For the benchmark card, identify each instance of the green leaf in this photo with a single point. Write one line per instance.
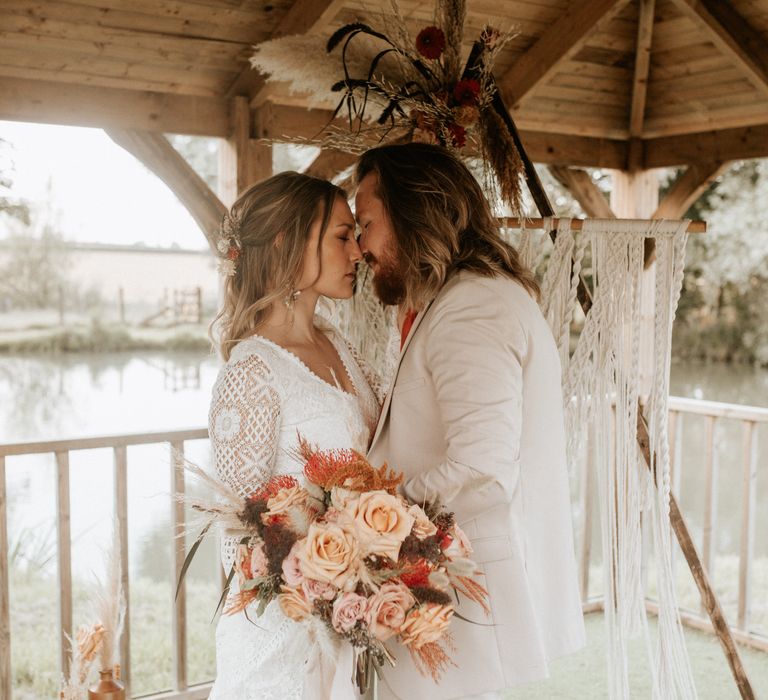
(190, 556)
(223, 594)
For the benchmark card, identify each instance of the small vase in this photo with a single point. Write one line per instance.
(107, 688)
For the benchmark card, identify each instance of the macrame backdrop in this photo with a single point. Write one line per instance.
(601, 394)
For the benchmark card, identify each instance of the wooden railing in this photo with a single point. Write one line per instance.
(713, 412)
(62, 449)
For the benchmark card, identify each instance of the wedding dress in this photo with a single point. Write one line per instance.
(263, 399)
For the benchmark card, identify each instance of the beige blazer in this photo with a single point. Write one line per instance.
(475, 417)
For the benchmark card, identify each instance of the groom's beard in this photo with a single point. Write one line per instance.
(388, 280)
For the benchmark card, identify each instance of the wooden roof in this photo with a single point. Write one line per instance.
(617, 83)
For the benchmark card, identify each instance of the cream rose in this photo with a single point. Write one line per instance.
(425, 624)
(422, 526)
(294, 603)
(291, 565)
(331, 554)
(348, 608)
(383, 520)
(341, 498)
(387, 608)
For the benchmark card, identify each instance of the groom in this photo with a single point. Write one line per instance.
(474, 415)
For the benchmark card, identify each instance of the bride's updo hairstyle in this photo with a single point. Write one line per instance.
(269, 226)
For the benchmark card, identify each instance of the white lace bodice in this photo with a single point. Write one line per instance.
(263, 399)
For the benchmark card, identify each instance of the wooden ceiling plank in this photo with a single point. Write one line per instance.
(579, 183)
(157, 19)
(559, 42)
(82, 105)
(688, 188)
(642, 67)
(706, 146)
(733, 35)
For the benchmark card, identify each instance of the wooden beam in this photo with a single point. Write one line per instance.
(642, 67)
(558, 42)
(80, 105)
(706, 146)
(154, 151)
(243, 160)
(329, 164)
(733, 35)
(584, 191)
(303, 17)
(688, 188)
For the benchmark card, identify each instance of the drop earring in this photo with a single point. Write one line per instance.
(290, 300)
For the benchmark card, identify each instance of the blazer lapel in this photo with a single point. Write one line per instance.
(388, 398)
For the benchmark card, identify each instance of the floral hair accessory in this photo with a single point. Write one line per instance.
(229, 245)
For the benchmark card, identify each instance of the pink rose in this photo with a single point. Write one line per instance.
(348, 608)
(291, 565)
(315, 590)
(387, 608)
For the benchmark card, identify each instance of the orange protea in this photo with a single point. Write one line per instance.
(347, 469)
(271, 488)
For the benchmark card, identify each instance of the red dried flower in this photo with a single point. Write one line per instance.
(445, 540)
(458, 135)
(466, 91)
(233, 253)
(430, 42)
(417, 576)
(271, 487)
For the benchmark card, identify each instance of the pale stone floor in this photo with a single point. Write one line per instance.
(583, 675)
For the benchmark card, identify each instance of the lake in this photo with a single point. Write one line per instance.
(83, 395)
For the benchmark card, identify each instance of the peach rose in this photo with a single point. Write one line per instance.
(422, 526)
(294, 603)
(291, 565)
(348, 608)
(383, 519)
(286, 498)
(425, 624)
(330, 555)
(387, 608)
(341, 497)
(244, 563)
(318, 590)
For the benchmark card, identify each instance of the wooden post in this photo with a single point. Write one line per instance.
(749, 504)
(179, 615)
(5, 607)
(243, 160)
(63, 526)
(120, 472)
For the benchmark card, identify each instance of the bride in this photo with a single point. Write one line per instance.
(285, 243)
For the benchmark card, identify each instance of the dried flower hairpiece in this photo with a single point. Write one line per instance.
(229, 245)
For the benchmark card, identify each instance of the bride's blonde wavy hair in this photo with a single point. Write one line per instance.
(441, 220)
(272, 220)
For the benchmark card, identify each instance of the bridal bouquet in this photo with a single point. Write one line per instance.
(345, 547)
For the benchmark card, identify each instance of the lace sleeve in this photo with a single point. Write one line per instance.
(243, 424)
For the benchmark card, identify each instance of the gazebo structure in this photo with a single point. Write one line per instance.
(626, 85)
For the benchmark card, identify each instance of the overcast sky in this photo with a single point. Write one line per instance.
(101, 192)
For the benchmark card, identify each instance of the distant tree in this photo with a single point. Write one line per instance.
(10, 205)
(201, 153)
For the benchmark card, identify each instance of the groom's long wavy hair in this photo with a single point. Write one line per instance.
(272, 220)
(441, 220)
